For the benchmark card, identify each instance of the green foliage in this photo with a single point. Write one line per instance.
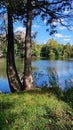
(3, 67)
(69, 96)
(51, 50)
(54, 84)
(24, 111)
(36, 49)
(53, 79)
(68, 93)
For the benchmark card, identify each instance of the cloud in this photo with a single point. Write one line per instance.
(55, 22)
(21, 29)
(63, 22)
(45, 21)
(59, 23)
(62, 27)
(71, 28)
(36, 26)
(58, 35)
(66, 39)
(67, 11)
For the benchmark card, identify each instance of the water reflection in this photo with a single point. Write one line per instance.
(4, 86)
(41, 70)
(64, 70)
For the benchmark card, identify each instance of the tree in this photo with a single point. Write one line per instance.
(14, 82)
(51, 11)
(13, 78)
(68, 49)
(19, 44)
(3, 45)
(36, 49)
(27, 79)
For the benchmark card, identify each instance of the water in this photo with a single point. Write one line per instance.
(41, 70)
(44, 68)
(4, 86)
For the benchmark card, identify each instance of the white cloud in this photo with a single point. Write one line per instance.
(21, 29)
(63, 37)
(63, 22)
(58, 35)
(58, 23)
(36, 26)
(67, 11)
(66, 39)
(45, 21)
(62, 27)
(71, 28)
(55, 22)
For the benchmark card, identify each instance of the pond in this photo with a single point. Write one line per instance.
(41, 71)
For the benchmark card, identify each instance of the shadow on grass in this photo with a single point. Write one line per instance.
(57, 121)
(36, 91)
(5, 106)
(68, 97)
(56, 91)
(6, 116)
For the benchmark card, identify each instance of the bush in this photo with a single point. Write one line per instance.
(54, 83)
(68, 93)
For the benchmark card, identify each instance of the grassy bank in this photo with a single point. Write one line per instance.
(38, 109)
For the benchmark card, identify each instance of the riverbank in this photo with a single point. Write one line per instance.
(38, 109)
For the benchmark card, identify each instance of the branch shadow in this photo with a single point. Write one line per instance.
(6, 116)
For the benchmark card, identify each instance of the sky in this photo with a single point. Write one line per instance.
(63, 35)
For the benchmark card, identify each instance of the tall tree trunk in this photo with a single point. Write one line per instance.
(14, 81)
(28, 79)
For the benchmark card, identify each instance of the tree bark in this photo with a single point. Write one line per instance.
(14, 81)
(28, 79)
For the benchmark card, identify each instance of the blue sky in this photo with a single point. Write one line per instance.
(63, 35)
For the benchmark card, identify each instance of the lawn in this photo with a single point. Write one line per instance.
(38, 109)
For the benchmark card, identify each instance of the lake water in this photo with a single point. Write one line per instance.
(41, 70)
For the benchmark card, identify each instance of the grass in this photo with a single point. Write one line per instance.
(38, 109)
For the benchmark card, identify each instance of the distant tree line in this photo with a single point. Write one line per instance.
(55, 50)
(51, 50)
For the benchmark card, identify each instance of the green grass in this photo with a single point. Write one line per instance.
(38, 109)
